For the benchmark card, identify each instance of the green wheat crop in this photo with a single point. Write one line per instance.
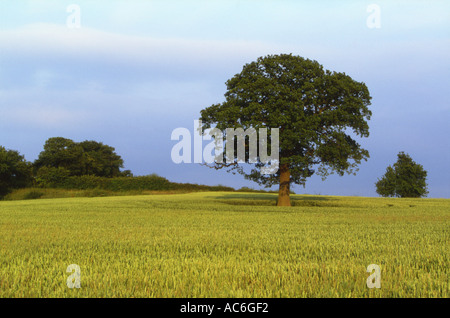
(222, 244)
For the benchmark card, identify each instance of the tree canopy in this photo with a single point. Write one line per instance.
(79, 158)
(101, 160)
(405, 179)
(15, 171)
(316, 111)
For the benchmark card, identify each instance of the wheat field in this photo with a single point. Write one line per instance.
(222, 244)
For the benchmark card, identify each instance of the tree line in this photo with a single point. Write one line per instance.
(66, 164)
(61, 158)
(89, 164)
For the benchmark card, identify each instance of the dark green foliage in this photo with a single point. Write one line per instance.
(100, 160)
(84, 158)
(198, 187)
(62, 153)
(33, 194)
(386, 185)
(151, 182)
(48, 177)
(15, 171)
(126, 173)
(406, 179)
(315, 110)
(247, 189)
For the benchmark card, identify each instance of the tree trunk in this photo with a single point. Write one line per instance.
(285, 182)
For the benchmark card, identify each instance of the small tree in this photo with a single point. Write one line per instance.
(406, 179)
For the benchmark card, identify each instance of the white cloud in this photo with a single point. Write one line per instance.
(175, 57)
(40, 116)
(43, 78)
(50, 39)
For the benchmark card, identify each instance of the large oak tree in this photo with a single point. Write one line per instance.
(318, 114)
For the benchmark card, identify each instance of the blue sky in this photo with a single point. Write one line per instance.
(136, 70)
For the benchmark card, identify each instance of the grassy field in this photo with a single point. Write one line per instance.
(222, 244)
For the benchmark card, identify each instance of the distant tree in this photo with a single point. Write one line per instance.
(406, 179)
(101, 160)
(314, 110)
(386, 185)
(15, 171)
(62, 153)
(83, 158)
